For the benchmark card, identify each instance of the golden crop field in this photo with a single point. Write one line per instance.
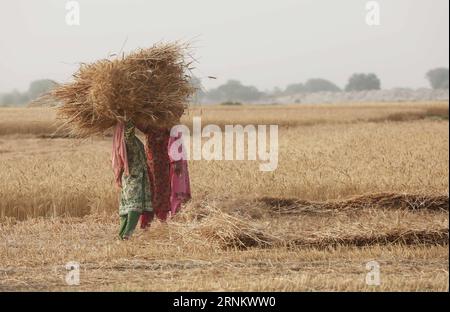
(355, 183)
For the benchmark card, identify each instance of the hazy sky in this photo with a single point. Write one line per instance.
(265, 43)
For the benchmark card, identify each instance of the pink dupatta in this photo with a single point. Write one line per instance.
(179, 183)
(119, 154)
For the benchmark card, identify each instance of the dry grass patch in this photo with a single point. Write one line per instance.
(34, 253)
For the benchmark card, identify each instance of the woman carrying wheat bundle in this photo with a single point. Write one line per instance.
(131, 177)
(148, 89)
(152, 181)
(168, 174)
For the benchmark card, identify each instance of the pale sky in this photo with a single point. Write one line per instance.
(265, 43)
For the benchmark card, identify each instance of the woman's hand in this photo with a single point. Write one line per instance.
(118, 181)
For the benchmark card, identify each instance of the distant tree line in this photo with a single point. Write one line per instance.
(233, 91)
(311, 86)
(36, 89)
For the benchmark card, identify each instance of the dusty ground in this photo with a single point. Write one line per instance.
(355, 183)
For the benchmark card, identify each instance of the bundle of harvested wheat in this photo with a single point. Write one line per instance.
(150, 86)
(205, 224)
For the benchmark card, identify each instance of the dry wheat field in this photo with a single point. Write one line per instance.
(354, 183)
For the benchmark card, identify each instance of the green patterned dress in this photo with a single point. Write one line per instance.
(135, 195)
